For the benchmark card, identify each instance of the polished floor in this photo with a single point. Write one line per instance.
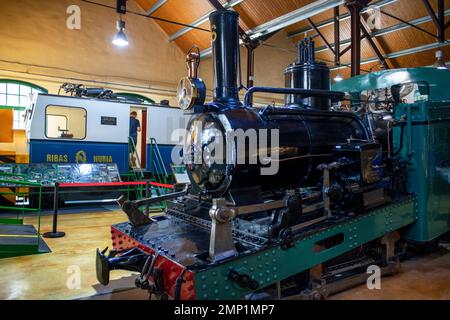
(68, 272)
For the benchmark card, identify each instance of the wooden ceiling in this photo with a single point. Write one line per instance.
(256, 12)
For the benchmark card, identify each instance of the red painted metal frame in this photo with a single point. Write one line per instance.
(171, 269)
(144, 139)
(337, 37)
(115, 184)
(355, 7)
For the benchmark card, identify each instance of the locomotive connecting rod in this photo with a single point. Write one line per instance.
(221, 245)
(136, 216)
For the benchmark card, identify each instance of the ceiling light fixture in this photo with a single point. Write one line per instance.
(440, 62)
(338, 78)
(120, 39)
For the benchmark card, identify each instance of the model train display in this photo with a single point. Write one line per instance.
(347, 184)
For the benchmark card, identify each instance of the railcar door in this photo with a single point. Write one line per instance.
(140, 153)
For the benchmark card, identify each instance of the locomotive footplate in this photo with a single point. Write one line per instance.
(172, 252)
(171, 245)
(175, 245)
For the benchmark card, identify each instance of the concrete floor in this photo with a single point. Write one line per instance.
(51, 275)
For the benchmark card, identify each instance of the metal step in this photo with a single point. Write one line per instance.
(18, 240)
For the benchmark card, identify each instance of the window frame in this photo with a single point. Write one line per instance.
(62, 106)
(24, 83)
(21, 125)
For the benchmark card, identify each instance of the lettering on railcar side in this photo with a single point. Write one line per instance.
(57, 158)
(103, 159)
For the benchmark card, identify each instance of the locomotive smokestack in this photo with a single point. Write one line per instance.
(225, 52)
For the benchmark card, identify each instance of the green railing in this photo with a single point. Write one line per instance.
(157, 172)
(135, 173)
(17, 184)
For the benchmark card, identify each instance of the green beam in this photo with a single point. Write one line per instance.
(13, 108)
(7, 174)
(21, 183)
(275, 264)
(19, 209)
(11, 221)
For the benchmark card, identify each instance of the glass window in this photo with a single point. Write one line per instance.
(13, 88)
(24, 100)
(19, 119)
(13, 100)
(65, 122)
(16, 94)
(25, 91)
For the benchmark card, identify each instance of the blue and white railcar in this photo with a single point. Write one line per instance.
(64, 129)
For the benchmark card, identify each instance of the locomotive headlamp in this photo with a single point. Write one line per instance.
(186, 93)
(191, 90)
(205, 153)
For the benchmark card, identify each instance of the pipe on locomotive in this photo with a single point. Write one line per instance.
(303, 93)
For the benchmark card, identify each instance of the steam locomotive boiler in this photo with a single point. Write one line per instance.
(274, 192)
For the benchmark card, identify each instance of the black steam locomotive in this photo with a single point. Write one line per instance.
(235, 230)
(309, 133)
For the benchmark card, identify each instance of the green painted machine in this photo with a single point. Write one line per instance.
(363, 172)
(424, 118)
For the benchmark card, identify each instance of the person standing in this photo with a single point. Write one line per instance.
(135, 127)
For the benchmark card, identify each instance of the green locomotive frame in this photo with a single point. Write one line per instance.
(275, 263)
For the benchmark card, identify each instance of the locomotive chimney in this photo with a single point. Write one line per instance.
(225, 53)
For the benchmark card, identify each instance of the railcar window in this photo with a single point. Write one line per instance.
(65, 122)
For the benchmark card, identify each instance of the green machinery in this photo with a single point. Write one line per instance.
(425, 142)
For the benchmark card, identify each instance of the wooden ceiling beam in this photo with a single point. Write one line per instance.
(397, 54)
(201, 20)
(342, 17)
(155, 7)
(288, 19)
(385, 31)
